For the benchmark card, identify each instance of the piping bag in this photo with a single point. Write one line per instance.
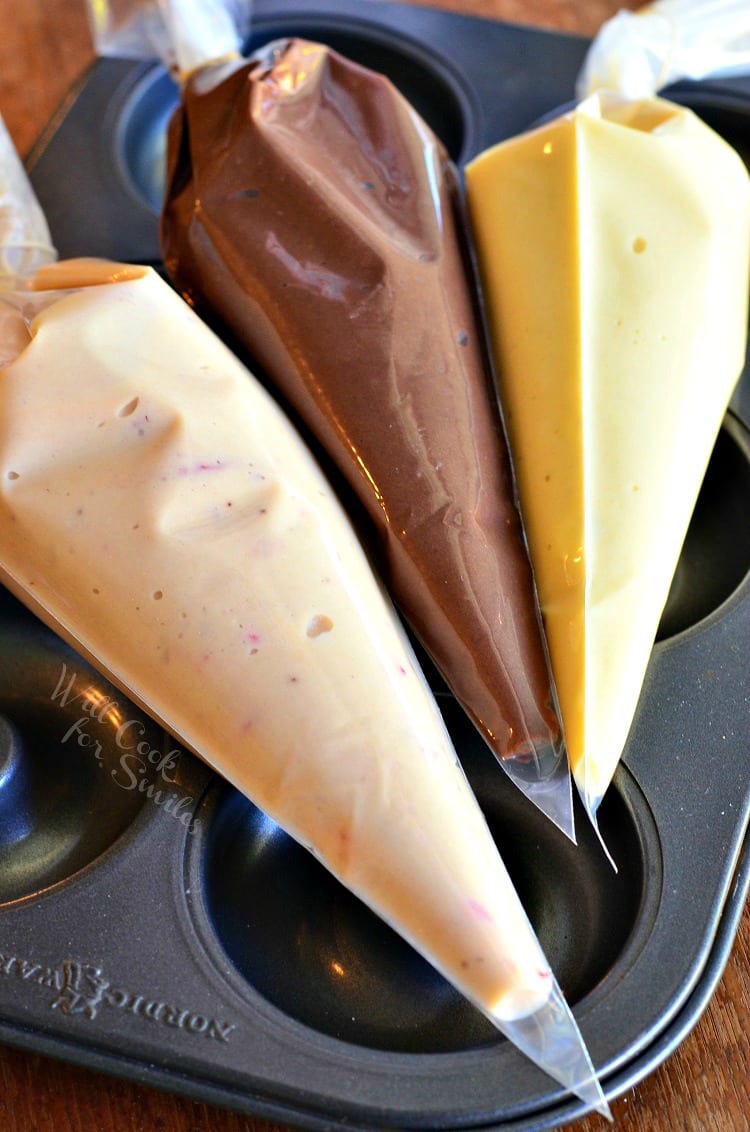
(613, 248)
(159, 511)
(313, 214)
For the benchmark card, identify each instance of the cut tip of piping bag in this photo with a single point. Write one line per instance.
(591, 801)
(551, 1039)
(544, 778)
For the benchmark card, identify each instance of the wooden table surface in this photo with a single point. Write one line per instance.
(44, 46)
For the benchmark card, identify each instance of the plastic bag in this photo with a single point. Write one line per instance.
(638, 53)
(182, 33)
(661, 206)
(622, 202)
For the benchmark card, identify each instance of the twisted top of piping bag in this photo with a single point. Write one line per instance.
(636, 54)
(184, 34)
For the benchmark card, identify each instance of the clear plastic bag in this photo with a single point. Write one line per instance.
(182, 33)
(638, 53)
(25, 242)
(624, 201)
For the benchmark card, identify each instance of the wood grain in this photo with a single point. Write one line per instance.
(704, 1087)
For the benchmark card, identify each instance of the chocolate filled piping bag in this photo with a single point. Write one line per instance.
(315, 215)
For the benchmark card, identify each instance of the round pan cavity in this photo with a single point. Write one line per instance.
(69, 774)
(316, 953)
(716, 553)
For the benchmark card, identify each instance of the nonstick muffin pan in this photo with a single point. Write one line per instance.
(154, 924)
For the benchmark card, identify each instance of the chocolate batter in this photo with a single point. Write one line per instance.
(313, 211)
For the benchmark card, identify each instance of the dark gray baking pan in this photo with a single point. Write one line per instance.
(155, 925)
